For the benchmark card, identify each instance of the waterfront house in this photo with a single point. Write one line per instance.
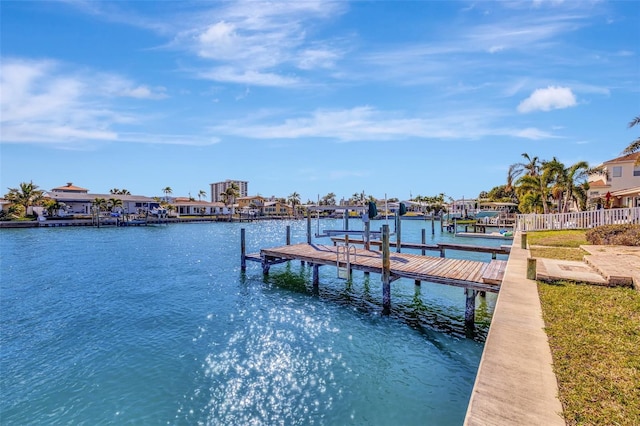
(262, 206)
(619, 185)
(75, 200)
(190, 207)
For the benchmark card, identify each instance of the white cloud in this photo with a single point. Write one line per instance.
(365, 123)
(255, 43)
(43, 101)
(547, 99)
(252, 77)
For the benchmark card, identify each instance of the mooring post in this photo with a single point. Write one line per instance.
(308, 227)
(386, 273)
(531, 268)
(316, 278)
(523, 241)
(367, 235)
(470, 308)
(433, 225)
(424, 240)
(346, 219)
(288, 235)
(398, 233)
(243, 252)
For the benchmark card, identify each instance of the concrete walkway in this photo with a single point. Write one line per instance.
(602, 265)
(515, 384)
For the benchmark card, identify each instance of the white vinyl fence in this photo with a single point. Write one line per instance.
(576, 220)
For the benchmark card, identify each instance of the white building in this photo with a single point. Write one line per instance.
(220, 187)
(620, 183)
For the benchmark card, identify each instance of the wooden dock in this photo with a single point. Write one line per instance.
(475, 275)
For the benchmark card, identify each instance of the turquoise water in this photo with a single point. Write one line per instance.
(158, 325)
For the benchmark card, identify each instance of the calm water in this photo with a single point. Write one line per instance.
(157, 325)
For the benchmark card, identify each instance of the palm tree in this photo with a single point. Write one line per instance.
(573, 179)
(114, 203)
(51, 205)
(100, 204)
(294, 200)
(232, 192)
(329, 199)
(531, 167)
(27, 194)
(201, 193)
(635, 145)
(167, 191)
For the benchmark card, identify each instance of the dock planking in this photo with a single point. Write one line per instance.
(475, 275)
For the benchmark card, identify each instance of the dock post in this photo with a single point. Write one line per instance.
(243, 251)
(316, 278)
(531, 268)
(386, 273)
(308, 227)
(470, 309)
(288, 235)
(433, 226)
(424, 239)
(346, 219)
(398, 234)
(523, 241)
(367, 235)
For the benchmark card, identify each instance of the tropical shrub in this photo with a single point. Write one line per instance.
(624, 235)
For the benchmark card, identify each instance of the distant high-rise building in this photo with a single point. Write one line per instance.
(219, 187)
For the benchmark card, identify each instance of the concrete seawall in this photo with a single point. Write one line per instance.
(515, 384)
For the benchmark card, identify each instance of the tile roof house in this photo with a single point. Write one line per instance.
(619, 186)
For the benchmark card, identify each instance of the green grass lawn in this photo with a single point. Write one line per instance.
(563, 245)
(594, 334)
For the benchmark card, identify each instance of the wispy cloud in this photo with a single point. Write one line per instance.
(44, 101)
(365, 123)
(547, 99)
(260, 43)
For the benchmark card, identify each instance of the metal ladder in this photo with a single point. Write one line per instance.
(343, 259)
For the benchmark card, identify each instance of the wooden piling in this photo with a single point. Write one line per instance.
(424, 239)
(308, 227)
(367, 234)
(433, 225)
(470, 308)
(316, 278)
(386, 272)
(288, 235)
(398, 233)
(531, 268)
(243, 251)
(523, 241)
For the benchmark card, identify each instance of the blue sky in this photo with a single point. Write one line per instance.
(387, 97)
